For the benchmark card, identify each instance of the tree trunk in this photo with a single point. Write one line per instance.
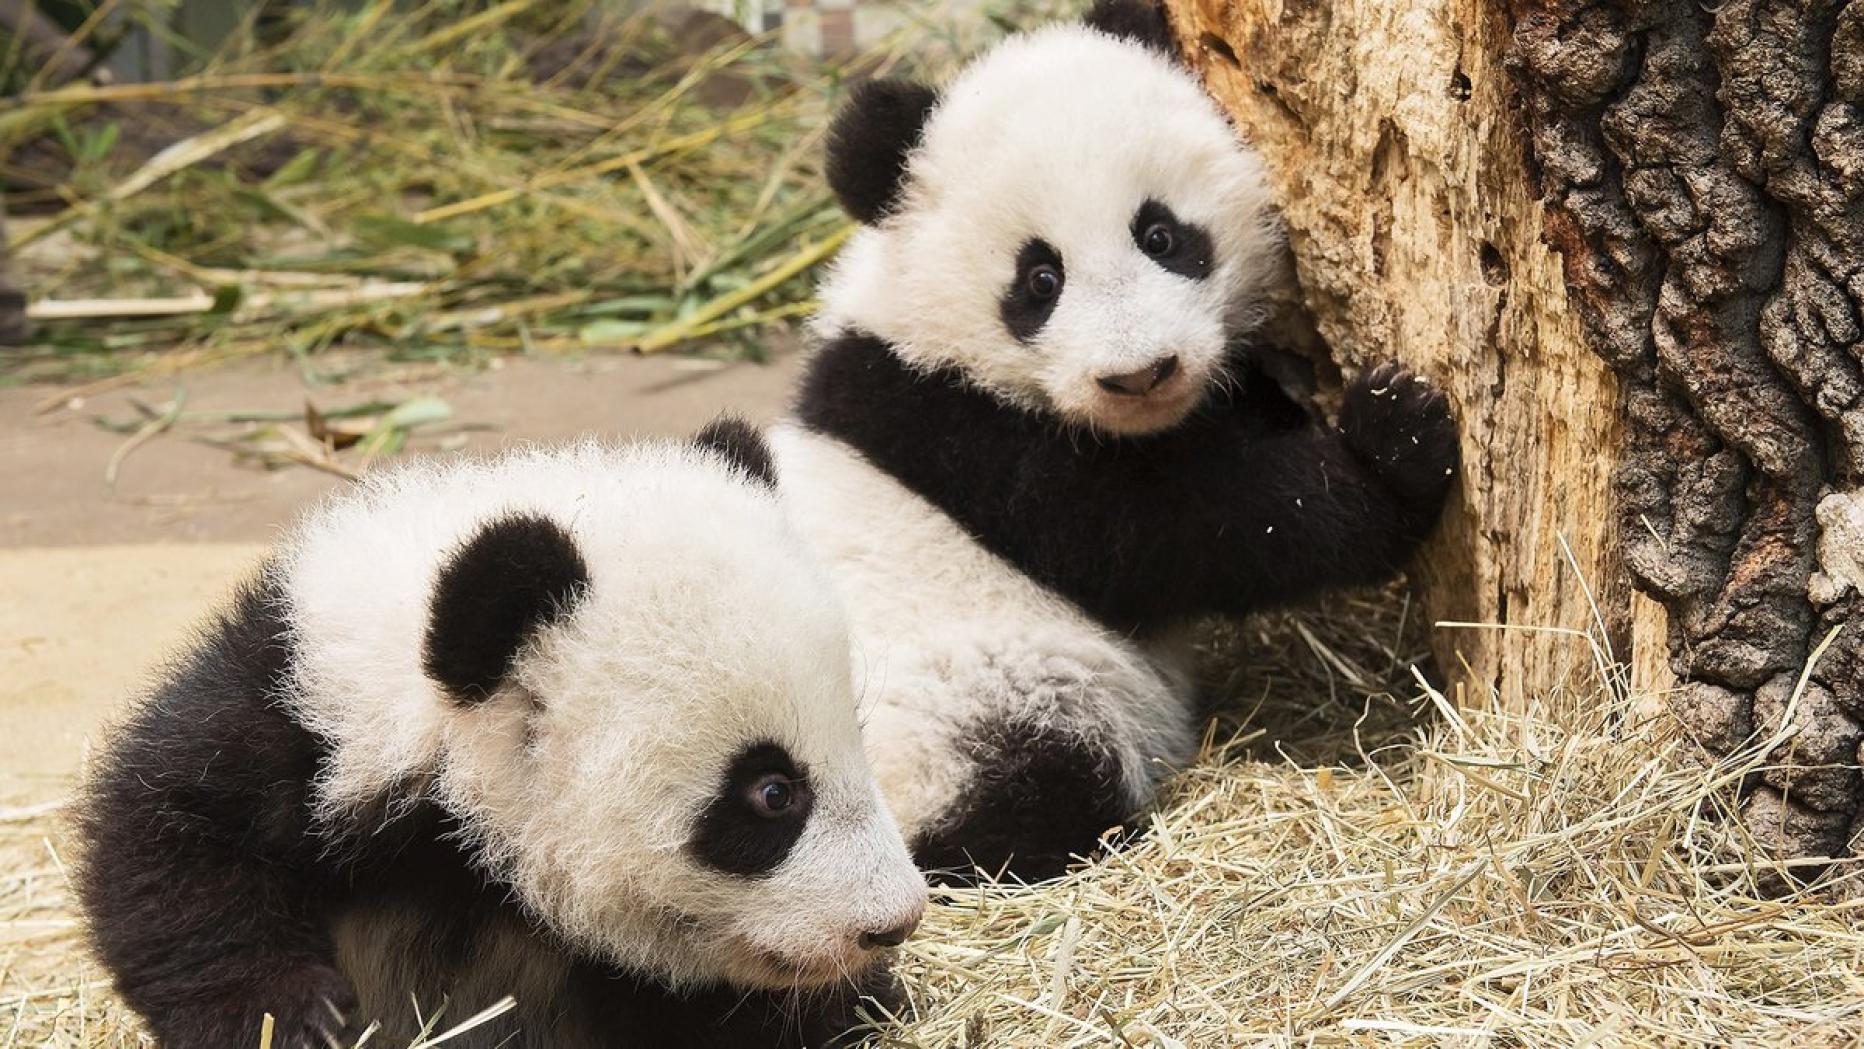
(1675, 390)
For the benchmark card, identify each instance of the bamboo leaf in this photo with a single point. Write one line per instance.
(390, 230)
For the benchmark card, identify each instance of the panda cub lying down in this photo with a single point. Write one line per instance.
(573, 725)
(1033, 444)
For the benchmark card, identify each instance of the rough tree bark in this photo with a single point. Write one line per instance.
(1677, 389)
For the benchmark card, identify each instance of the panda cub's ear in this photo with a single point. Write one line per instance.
(741, 445)
(1141, 21)
(869, 141)
(516, 575)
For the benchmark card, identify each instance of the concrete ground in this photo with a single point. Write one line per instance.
(97, 584)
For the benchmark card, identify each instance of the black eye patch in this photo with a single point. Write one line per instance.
(1033, 292)
(1178, 247)
(741, 832)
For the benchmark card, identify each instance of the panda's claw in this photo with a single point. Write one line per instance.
(317, 1009)
(1401, 427)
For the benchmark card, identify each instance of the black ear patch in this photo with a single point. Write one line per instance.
(868, 143)
(740, 443)
(519, 573)
(1141, 21)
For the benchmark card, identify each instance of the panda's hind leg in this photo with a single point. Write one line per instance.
(1028, 751)
(202, 879)
(1039, 799)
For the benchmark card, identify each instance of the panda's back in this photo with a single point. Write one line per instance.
(899, 560)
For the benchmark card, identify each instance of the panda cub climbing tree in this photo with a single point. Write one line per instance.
(1033, 440)
(573, 725)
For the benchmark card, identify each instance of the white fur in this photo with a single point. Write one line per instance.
(705, 628)
(947, 636)
(1062, 134)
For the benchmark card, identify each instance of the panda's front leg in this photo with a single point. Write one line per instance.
(206, 894)
(207, 947)
(1346, 506)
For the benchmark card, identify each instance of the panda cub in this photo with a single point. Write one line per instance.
(573, 725)
(1032, 444)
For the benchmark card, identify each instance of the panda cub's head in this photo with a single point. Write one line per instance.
(619, 674)
(1072, 222)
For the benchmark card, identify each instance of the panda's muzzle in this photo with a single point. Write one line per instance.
(875, 939)
(1141, 381)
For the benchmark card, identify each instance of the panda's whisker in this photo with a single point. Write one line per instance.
(743, 999)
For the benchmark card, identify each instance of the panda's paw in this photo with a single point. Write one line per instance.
(1401, 427)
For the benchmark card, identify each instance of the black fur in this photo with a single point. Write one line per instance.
(1142, 21)
(517, 575)
(203, 879)
(1023, 311)
(1229, 512)
(1191, 254)
(869, 141)
(1038, 802)
(741, 444)
(732, 836)
(212, 896)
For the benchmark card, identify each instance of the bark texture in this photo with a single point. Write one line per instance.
(1704, 170)
(1677, 390)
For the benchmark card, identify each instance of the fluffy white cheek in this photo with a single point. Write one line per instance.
(949, 313)
(576, 818)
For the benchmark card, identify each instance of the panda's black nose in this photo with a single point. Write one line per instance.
(874, 939)
(1142, 381)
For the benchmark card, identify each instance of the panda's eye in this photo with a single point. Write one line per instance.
(1179, 247)
(1043, 282)
(1033, 290)
(1159, 240)
(774, 794)
(756, 815)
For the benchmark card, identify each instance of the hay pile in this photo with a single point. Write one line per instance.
(1561, 875)
(1342, 867)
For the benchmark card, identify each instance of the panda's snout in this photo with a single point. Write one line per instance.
(1140, 381)
(875, 939)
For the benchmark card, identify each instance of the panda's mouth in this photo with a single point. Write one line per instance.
(1161, 409)
(784, 971)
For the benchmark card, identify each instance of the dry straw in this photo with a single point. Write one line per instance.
(1558, 874)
